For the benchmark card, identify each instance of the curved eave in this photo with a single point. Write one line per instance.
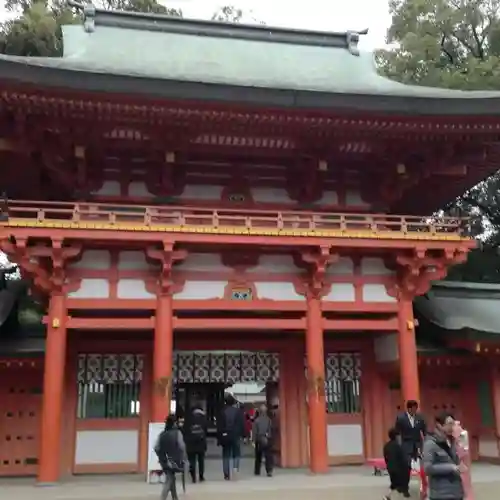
(52, 74)
(459, 307)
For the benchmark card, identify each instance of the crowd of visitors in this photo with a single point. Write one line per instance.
(184, 441)
(442, 456)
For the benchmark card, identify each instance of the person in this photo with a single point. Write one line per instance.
(195, 435)
(262, 439)
(397, 464)
(171, 451)
(461, 436)
(441, 461)
(230, 431)
(411, 427)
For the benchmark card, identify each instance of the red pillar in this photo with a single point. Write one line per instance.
(163, 348)
(408, 358)
(318, 446)
(53, 391)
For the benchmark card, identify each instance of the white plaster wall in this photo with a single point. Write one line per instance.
(202, 290)
(277, 291)
(133, 261)
(353, 199)
(376, 293)
(344, 265)
(271, 195)
(107, 447)
(93, 259)
(374, 266)
(344, 440)
(139, 189)
(201, 192)
(341, 292)
(202, 262)
(133, 289)
(488, 447)
(109, 188)
(328, 198)
(386, 348)
(275, 264)
(91, 289)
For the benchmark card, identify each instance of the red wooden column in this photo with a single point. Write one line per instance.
(163, 351)
(495, 397)
(163, 343)
(316, 402)
(53, 391)
(408, 358)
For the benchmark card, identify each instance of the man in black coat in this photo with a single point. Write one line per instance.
(195, 436)
(411, 427)
(230, 432)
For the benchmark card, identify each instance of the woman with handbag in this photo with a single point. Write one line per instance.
(171, 452)
(262, 440)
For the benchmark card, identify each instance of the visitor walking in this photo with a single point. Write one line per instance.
(230, 432)
(262, 436)
(441, 462)
(195, 435)
(397, 465)
(171, 452)
(411, 427)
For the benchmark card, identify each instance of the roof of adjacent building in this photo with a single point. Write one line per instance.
(175, 58)
(457, 306)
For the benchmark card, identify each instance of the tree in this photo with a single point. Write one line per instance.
(233, 14)
(453, 44)
(37, 29)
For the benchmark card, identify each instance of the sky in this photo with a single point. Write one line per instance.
(325, 15)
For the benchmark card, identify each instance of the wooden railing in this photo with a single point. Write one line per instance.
(237, 221)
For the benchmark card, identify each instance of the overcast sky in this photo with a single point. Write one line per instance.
(328, 15)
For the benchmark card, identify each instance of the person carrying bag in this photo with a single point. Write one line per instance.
(262, 439)
(171, 452)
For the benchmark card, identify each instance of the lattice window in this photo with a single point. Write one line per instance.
(342, 385)
(109, 385)
(225, 367)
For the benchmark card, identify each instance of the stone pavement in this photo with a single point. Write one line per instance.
(343, 483)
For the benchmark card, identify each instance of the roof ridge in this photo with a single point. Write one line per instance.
(94, 17)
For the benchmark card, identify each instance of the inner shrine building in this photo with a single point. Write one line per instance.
(200, 204)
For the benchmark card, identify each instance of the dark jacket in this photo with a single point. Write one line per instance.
(195, 431)
(440, 462)
(230, 425)
(170, 449)
(262, 430)
(395, 459)
(411, 436)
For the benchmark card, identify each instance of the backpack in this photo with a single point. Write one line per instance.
(197, 433)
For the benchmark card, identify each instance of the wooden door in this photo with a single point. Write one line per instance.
(20, 407)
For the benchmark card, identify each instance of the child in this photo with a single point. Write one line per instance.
(397, 464)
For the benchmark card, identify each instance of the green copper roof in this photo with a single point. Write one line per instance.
(119, 50)
(462, 306)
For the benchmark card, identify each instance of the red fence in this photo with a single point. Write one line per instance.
(183, 217)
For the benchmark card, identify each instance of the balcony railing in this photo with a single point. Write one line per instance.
(87, 215)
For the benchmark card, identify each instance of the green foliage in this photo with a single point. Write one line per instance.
(228, 14)
(453, 44)
(37, 30)
(445, 43)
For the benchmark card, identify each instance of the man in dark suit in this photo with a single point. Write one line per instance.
(411, 427)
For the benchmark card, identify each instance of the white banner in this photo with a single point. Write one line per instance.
(153, 465)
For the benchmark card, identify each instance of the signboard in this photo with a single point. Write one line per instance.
(153, 465)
